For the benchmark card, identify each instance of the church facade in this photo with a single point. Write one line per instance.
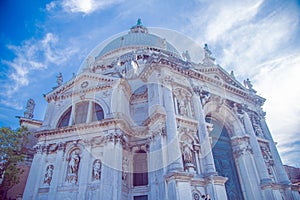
(140, 121)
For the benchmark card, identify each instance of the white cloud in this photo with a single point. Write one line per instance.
(86, 6)
(258, 45)
(30, 57)
(278, 81)
(229, 14)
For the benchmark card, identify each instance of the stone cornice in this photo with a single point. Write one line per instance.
(186, 122)
(34, 122)
(179, 177)
(198, 75)
(81, 127)
(157, 116)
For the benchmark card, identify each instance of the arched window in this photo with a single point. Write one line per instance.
(64, 120)
(81, 110)
(140, 168)
(97, 112)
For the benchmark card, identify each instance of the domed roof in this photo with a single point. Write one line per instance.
(138, 36)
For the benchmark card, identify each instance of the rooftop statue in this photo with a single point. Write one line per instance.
(29, 109)
(59, 80)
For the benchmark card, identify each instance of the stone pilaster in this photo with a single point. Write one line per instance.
(36, 171)
(206, 149)
(57, 171)
(242, 152)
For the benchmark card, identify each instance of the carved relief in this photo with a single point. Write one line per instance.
(268, 158)
(48, 174)
(73, 166)
(241, 146)
(96, 173)
(125, 167)
(255, 120)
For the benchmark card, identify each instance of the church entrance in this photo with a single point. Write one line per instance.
(224, 160)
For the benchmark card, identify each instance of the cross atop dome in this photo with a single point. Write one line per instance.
(138, 28)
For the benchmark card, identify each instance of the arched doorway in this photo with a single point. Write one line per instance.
(224, 160)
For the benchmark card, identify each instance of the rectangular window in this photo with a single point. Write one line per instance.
(81, 111)
(144, 197)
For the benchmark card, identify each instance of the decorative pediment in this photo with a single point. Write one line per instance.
(83, 83)
(220, 74)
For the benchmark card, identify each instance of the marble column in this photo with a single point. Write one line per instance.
(206, 149)
(157, 167)
(243, 155)
(174, 154)
(259, 160)
(83, 175)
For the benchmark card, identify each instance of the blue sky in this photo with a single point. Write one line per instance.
(258, 39)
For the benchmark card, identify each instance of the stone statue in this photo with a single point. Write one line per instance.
(186, 56)
(187, 151)
(182, 107)
(248, 84)
(97, 170)
(73, 167)
(29, 109)
(208, 59)
(48, 174)
(59, 79)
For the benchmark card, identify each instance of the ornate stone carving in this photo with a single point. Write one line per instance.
(73, 166)
(125, 167)
(29, 109)
(241, 146)
(48, 174)
(268, 158)
(165, 80)
(204, 95)
(96, 174)
(255, 120)
(237, 109)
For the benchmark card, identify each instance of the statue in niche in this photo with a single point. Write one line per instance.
(48, 174)
(59, 79)
(187, 151)
(239, 112)
(29, 109)
(182, 107)
(97, 170)
(73, 167)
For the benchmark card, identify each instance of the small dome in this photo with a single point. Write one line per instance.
(138, 36)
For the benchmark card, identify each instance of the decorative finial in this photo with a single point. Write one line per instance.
(29, 109)
(208, 59)
(138, 28)
(139, 22)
